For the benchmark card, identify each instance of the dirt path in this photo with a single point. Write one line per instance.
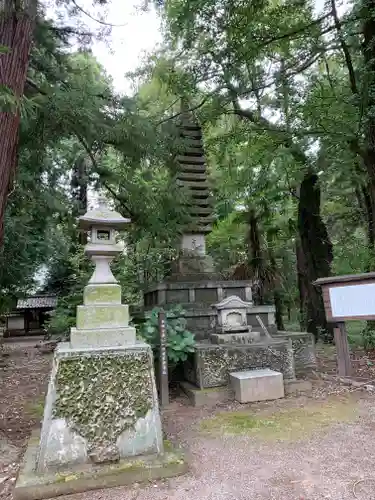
(24, 374)
(321, 447)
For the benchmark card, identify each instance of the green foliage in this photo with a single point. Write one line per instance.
(368, 336)
(180, 342)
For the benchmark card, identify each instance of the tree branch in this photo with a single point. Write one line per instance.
(94, 19)
(294, 32)
(345, 49)
(190, 110)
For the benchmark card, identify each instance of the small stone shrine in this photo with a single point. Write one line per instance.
(101, 407)
(232, 324)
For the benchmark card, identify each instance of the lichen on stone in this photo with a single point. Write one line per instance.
(101, 396)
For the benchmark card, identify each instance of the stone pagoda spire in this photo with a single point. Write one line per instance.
(192, 178)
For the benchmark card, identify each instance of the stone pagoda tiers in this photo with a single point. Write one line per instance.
(192, 179)
(193, 282)
(101, 407)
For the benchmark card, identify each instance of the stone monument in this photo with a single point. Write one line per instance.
(102, 406)
(191, 176)
(206, 297)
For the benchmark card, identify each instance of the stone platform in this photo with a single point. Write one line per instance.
(217, 395)
(32, 485)
(211, 364)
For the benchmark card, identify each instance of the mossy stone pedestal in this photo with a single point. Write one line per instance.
(101, 407)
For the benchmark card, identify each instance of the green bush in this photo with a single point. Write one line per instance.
(180, 342)
(368, 335)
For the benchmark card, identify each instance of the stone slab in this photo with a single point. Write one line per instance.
(105, 337)
(257, 385)
(31, 485)
(207, 397)
(236, 338)
(102, 294)
(102, 316)
(101, 405)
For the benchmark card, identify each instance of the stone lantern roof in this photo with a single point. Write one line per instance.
(102, 216)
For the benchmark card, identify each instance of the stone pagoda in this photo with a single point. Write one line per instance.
(101, 408)
(192, 179)
(248, 338)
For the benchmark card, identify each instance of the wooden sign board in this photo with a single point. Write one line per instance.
(350, 297)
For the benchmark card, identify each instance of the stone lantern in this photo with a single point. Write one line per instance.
(102, 320)
(101, 405)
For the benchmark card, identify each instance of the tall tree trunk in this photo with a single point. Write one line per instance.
(79, 187)
(16, 29)
(279, 306)
(368, 48)
(314, 256)
(255, 257)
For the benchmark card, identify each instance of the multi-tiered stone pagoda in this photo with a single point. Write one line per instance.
(192, 178)
(253, 341)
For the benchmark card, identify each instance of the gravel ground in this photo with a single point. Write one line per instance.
(329, 464)
(329, 461)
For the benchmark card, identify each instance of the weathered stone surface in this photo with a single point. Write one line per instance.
(102, 294)
(210, 365)
(32, 485)
(207, 397)
(103, 337)
(257, 385)
(303, 344)
(236, 338)
(98, 399)
(104, 454)
(97, 316)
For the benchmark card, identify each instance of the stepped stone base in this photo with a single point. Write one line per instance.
(104, 337)
(216, 395)
(101, 406)
(102, 316)
(77, 479)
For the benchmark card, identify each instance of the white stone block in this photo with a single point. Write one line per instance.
(257, 385)
(103, 337)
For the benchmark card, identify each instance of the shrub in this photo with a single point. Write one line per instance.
(180, 342)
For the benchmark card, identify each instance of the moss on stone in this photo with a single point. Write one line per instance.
(36, 409)
(64, 478)
(102, 396)
(168, 446)
(286, 424)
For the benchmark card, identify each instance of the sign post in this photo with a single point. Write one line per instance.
(350, 297)
(163, 362)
